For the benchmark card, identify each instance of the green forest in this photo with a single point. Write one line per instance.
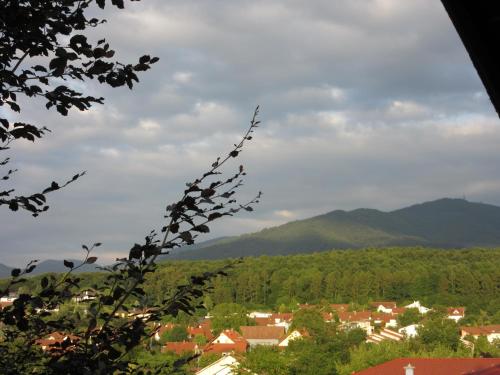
(436, 277)
(468, 278)
(460, 277)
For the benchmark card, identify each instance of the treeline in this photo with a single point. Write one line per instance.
(468, 278)
(462, 277)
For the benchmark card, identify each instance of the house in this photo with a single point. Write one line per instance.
(384, 306)
(417, 305)
(228, 341)
(278, 320)
(202, 330)
(282, 319)
(85, 296)
(160, 330)
(435, 366)
(492, 332)
(263, 321)
(57, 341)
(409, 331)
(258, 314)
(356, 319)
(456, 313)
(141, 313)
(10, 298)
(294, 335)
(384, 319)
(262, 335)
(180, 348)
(225, 365)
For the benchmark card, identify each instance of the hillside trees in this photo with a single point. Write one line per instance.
(283, 272)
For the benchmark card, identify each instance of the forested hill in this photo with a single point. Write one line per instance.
(50, 265)
(441, 223)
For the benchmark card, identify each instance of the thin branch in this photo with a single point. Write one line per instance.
(215, 166)
(19, 62)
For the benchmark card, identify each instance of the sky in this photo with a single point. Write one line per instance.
(364, 103)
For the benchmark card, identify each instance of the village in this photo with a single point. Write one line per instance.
(381, 321)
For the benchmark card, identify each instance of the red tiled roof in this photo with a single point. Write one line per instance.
(239, 347)
(386, 318)
(436, 366)
(207, 324)
(263, 333)
(204, 331)
(327, 316)
(179, 347)
(52, 341)
(456, 311)
(354, 316)
(233, 335)
(240, 344)
(263, 321)
(340, 306)
(481, 330)
(4, 304)
(286, 317)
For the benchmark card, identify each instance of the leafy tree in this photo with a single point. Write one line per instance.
(410, 316)
(305, 355)
(200, 340)
(310, 320)
(265, 360)
(176, 334)
(439, 331)
(229, 316)
(208, 303)
(44, 53)
(207, 359)
(149, 361)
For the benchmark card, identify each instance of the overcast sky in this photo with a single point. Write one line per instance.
(364, 103)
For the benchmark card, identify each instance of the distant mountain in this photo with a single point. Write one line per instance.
(4, 271)
(49, 266)
(441, 223)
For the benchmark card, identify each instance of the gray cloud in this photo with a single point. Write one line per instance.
(364, 104)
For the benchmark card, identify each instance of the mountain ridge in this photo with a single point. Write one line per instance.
(446, 222)
(49, 265)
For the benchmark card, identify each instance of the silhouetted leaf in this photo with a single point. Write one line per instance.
(214, 215)
(202, 228)
(15, 272)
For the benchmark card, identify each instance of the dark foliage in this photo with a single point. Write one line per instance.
(43, 43)
(101, 345)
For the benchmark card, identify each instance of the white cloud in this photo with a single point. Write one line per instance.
(182, 77)
(110, 152)
(285, 214)
(362, 106)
